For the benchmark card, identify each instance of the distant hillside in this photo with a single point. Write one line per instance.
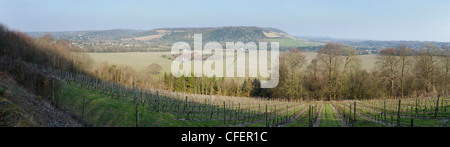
(374, 45)
(161, 39)
(174, 34)
(220, 34)
(87, 35)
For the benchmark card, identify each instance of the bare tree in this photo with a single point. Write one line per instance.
(445, 52)
(337, 61)
(425, 67)
(313, 82)
(388, 63)
(405, 62)
(292, 63)
(350, 67)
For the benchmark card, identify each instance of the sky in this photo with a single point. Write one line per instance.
(423, 20)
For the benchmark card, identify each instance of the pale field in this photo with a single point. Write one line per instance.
(151, 37)
(137, 60)
(140, 60)
(367, 61)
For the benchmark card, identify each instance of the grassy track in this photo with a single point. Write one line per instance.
(329, 118)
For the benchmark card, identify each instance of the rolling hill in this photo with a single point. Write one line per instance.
(161, 39)
(88, 35)
(137, 40)
(220, 34)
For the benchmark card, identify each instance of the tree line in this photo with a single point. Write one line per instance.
(336, 74)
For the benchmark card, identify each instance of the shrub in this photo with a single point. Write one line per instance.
(2, 91)
(38, 98)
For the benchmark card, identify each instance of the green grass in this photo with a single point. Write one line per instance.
(329, 118)
(302, 121)
(418, 122)
(362, 122)
(101, 110)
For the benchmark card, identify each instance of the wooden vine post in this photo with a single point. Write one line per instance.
(309, 116)
(224, 118)
(354, 115)
(266, 117)
(84, 100)
(384, 111)
(350, 116)
(137, 115)
(436, 108)
(398, 112)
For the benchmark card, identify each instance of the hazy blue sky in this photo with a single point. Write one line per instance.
(426, 20)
